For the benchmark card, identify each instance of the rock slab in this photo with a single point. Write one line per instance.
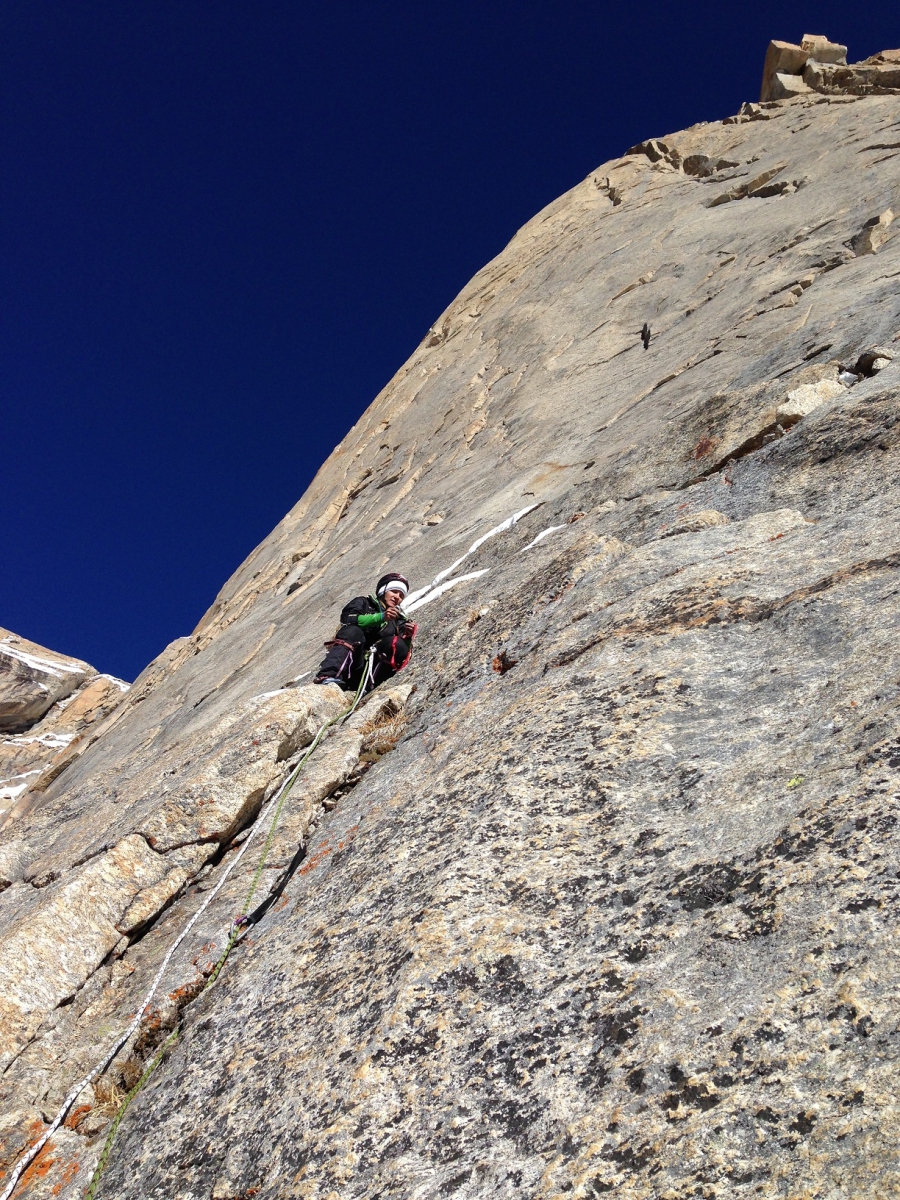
(50, 708)
(607, 904)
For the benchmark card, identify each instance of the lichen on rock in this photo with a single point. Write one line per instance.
(600, 896)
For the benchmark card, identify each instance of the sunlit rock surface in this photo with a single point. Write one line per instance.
(32, 678)
(50, 706)
(617, 911)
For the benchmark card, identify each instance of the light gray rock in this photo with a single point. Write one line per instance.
(618, 911)
(873, 234)
(874, 359)
(883, 56)
(783, 87)
(820, 49)
(857, 79)
(707, 518)
(85, 897)
(29, 762)
(783, 59)
(32, 679)
(820, 65)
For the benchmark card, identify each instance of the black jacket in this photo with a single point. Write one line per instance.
(369, 606)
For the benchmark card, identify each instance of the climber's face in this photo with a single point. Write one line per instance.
(393, 597)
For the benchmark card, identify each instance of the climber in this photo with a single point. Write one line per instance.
(377, 622)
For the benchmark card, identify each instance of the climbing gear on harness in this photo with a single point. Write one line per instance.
(399, 650)
(274, 806)
(364, 624)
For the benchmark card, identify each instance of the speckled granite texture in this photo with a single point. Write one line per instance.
(617, 913)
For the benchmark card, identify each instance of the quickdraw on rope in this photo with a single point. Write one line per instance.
(275, 806)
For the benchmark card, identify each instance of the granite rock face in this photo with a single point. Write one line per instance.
(50, 707)
(818, 65)
(32, 679)
(603, 897)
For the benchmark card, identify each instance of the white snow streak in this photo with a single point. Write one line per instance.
(12, 790)
(444, 587)
(53, 741)
(413, 598)
(278, 691)
(39, 664)
(120, 683)
(540, 537)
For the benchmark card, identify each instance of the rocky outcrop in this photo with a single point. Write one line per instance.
(86, 957)
(32, 679)
(49, 708)
(607, 902)
(818, 65)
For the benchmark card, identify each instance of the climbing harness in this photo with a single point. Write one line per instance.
(416, 599)
(274, 806)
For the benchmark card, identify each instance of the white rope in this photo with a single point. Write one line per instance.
(101, 1066)
(29, 1157)
(370, 671)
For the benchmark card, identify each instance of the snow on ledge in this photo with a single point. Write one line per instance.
(413, 599)
(53, 741)
(11, 790)
(120, 683)
(540, 537)
(57, 668)
(444, 587)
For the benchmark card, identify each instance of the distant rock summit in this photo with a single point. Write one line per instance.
(818, 65)
(599, 895)
(50, 707)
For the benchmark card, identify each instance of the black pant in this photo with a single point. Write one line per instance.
(346, 656)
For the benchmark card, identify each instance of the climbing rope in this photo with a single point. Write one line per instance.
(275, 806)
(430, 592)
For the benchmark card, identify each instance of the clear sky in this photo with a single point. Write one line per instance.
(226, 223)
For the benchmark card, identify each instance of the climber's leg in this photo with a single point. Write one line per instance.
(345, 657)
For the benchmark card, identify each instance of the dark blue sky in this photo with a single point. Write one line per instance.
(225, 225)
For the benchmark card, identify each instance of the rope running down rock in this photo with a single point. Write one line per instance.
(275, 806)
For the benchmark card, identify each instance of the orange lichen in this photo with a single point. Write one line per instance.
(68, 1175)
(315, 859)
(34, 1131)
(187, 992)
(76, 1116)
(323, 852)
(40, 1168)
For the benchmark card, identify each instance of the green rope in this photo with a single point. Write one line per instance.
(234, 936)
(123, 1108)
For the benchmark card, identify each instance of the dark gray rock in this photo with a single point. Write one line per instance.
(618, 911)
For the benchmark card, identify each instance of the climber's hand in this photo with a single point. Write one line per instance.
(392, 613)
